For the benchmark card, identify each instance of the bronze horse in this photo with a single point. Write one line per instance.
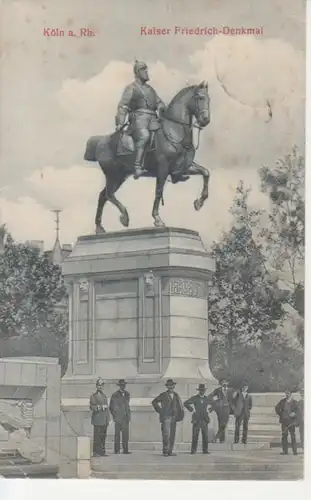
(173, 148)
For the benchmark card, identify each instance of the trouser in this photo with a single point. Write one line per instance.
(301, 433)
(223, 419)
(196, 428)
(285, 430)
(99, 439)
(238, 422)
(121, 428)
(168, 429)
(140, 129)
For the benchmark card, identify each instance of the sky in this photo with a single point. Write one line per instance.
(56, 92)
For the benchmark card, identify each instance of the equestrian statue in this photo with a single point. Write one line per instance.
(151, 140)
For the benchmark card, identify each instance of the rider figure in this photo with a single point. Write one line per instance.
(142, 105)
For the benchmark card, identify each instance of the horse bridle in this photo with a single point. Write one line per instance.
(184, 124)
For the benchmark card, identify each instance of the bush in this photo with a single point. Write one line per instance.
(268, 368)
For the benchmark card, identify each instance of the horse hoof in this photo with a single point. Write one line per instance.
(197, 204)
(99, 230)
(124, 219)
(159, 223)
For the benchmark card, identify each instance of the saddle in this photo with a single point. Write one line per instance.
(123, 142)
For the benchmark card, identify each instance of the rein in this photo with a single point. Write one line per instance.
(184, 124)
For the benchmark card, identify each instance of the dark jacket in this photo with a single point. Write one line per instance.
(241, 405)
(200, 405)
(220, 402)
(169, 407)
(99, 409)
(288, 414)
(120, 407)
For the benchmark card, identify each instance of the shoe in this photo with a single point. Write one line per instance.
(117, 453)
(206, 453)
(235, 442)
(165, 454)
(127, 453)
(171, 454)
(96, 455)
(193, 452)
(295, 453)
(284, 453)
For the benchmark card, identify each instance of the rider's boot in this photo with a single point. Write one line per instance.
(138, 165)
(139, 171)
(179, 177)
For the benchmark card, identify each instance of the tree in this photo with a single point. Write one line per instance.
(245, 303)
(285, 234)
(31, 293)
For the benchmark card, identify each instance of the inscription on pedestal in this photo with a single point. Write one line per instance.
(184, 287)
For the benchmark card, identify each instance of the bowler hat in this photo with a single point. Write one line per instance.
(121, 382)
(99, 381)
(201, 387)
(170, 382)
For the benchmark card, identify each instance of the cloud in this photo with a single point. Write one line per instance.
(253, 70)
(52, 120)
(75, 191)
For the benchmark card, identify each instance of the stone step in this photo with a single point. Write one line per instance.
(278, 444)
(157, 446)
(40, 471)
(207, 476)
(221, 465)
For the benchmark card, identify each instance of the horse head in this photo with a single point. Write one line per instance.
(200, 104)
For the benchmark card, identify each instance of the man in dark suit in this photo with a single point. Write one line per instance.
(288, 411)
(242, 404)
(301, 417)
(100, 419)
(121, 413)
(169, 406)
(221, 399)
(200, 418)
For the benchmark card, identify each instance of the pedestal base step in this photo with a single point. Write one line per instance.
(257, 465)
(278, 444)
(185, 447)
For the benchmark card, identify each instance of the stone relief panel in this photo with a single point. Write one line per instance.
(16, 420)
(185, 287)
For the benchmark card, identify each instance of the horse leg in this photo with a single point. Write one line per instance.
(161, 179)
(113, 184)
(102, 199)
(196, 169)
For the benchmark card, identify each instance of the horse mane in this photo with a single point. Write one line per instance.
(181, 94)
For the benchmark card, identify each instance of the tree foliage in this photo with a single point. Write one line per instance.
(31, 291)
(245, 302)
(285, 233)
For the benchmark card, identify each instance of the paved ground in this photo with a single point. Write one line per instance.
(219, 465)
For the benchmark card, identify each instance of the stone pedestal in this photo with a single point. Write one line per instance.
(138, 305)
(138, 310)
